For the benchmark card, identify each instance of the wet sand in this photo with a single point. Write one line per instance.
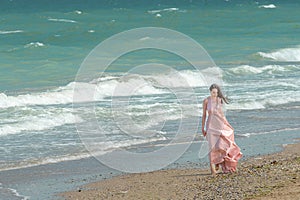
(274, 176)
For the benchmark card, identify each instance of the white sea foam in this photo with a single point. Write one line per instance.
(254, 100)
(267, 132)
(144, 38)
(245, 69)
(270, 69)
(171, 9)
(109, 146)
(290, 85)
(163, 10)
(63, 96)
(263, 93)
(34, 44)
(141, 121)
(49, 160)
(62, 20)
(249, 105)
(78, 12)
(11, 32)
(146, 84)
(102, 87)
(154, 11)
(101, 148)
(89, 91)
(270, 6)
(127, 86)
(16, 193)
(12, 192)
(38, 123)
(286, 54)
(136, 85)
(185, 78)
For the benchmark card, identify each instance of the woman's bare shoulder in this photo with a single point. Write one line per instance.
(205, 100)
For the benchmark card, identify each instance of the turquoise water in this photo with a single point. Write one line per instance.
(44, 46)
(256, 45)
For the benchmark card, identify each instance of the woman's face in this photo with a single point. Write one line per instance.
(214, 92)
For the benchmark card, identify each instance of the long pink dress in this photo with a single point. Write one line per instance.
(220, 136)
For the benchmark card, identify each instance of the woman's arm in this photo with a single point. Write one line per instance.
(204, 106)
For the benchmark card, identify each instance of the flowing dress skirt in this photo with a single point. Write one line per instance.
(220, 136)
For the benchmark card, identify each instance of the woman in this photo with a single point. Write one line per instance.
(219, 133)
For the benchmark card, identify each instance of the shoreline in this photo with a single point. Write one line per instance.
(49, 180)
(271, 176)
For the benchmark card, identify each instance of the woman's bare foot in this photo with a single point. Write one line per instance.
(213, 170)
(217, 167)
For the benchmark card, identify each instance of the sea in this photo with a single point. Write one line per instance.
(253, 47)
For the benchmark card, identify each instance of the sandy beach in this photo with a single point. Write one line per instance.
(273, 176)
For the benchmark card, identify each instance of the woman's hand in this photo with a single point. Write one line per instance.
(203, 132)
(205, 102)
